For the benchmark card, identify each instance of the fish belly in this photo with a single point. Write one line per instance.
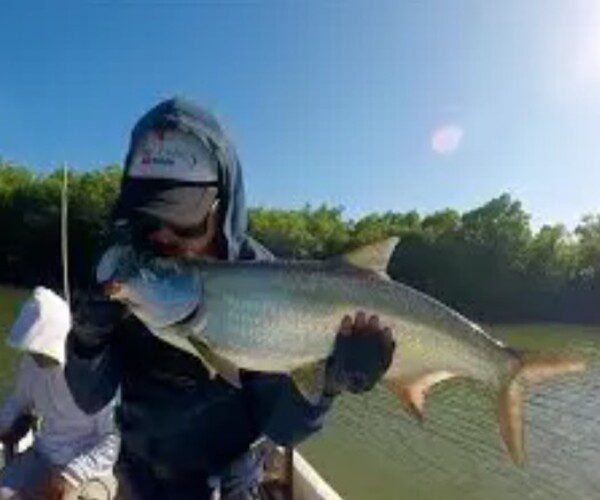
(421, 351)
(263, 323)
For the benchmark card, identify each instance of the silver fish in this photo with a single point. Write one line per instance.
(283, 316)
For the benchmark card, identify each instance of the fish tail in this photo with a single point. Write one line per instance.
(531, 369)
(523, 368)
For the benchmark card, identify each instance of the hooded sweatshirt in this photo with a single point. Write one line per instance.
(172, 414)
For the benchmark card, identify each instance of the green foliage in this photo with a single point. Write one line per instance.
(375, 227)
(589, 243)
(30, 218)
(443, 222)
(487, 262)
(304, 233)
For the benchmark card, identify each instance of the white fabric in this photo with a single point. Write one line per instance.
(172, 154)
(42, 326)
(84, 446)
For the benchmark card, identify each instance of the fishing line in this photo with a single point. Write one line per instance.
(482, 449)
(538, 476)
(463, 435)
(486, 463)
(470, 437)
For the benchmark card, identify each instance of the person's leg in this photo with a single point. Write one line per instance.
(23, 475)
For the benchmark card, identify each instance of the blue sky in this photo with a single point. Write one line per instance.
(332, 102)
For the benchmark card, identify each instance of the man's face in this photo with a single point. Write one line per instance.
(179, 217)
(187, 242)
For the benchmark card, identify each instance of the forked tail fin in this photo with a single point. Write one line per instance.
(529, 369)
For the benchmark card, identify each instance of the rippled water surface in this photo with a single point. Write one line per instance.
(371, 449)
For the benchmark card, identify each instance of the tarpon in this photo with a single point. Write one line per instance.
(283, 316)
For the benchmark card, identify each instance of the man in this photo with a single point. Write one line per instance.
(182, 196)
(70, 448)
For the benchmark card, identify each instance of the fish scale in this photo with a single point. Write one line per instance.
(266, 306)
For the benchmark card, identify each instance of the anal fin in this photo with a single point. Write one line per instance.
(412, 392)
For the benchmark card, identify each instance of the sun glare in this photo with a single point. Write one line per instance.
(446, 139)
(587, 57)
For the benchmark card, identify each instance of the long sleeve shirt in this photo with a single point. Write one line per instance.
(82, 445)
(171, 413)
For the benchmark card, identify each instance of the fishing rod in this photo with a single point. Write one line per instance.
(64, 230)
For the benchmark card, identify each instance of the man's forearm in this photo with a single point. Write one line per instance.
(281, 411)
(93, 367)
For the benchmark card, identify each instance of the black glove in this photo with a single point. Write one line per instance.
(363, 352)
(95, 317)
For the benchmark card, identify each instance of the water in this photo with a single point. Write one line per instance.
(370, 449)
(10, 298)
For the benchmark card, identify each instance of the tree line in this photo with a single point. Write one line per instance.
(487, 262)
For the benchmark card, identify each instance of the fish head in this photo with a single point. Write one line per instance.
(160, 292)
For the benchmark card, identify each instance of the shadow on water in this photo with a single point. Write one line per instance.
(371, 449)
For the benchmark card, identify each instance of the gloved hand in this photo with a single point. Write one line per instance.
(363, 352)
(95, 316)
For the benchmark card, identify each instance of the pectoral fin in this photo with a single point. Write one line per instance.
(310, 380)
(412, 392)
(215, 363)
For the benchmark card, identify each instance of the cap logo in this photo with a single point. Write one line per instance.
(172, 155)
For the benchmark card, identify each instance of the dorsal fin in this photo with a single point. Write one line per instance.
(374, 257)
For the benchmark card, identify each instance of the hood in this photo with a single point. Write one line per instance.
(42, 325)
(183, 115)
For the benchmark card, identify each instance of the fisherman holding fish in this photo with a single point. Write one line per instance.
(186, 432)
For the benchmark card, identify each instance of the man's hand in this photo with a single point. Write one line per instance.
(363, 352)
(95, 317)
